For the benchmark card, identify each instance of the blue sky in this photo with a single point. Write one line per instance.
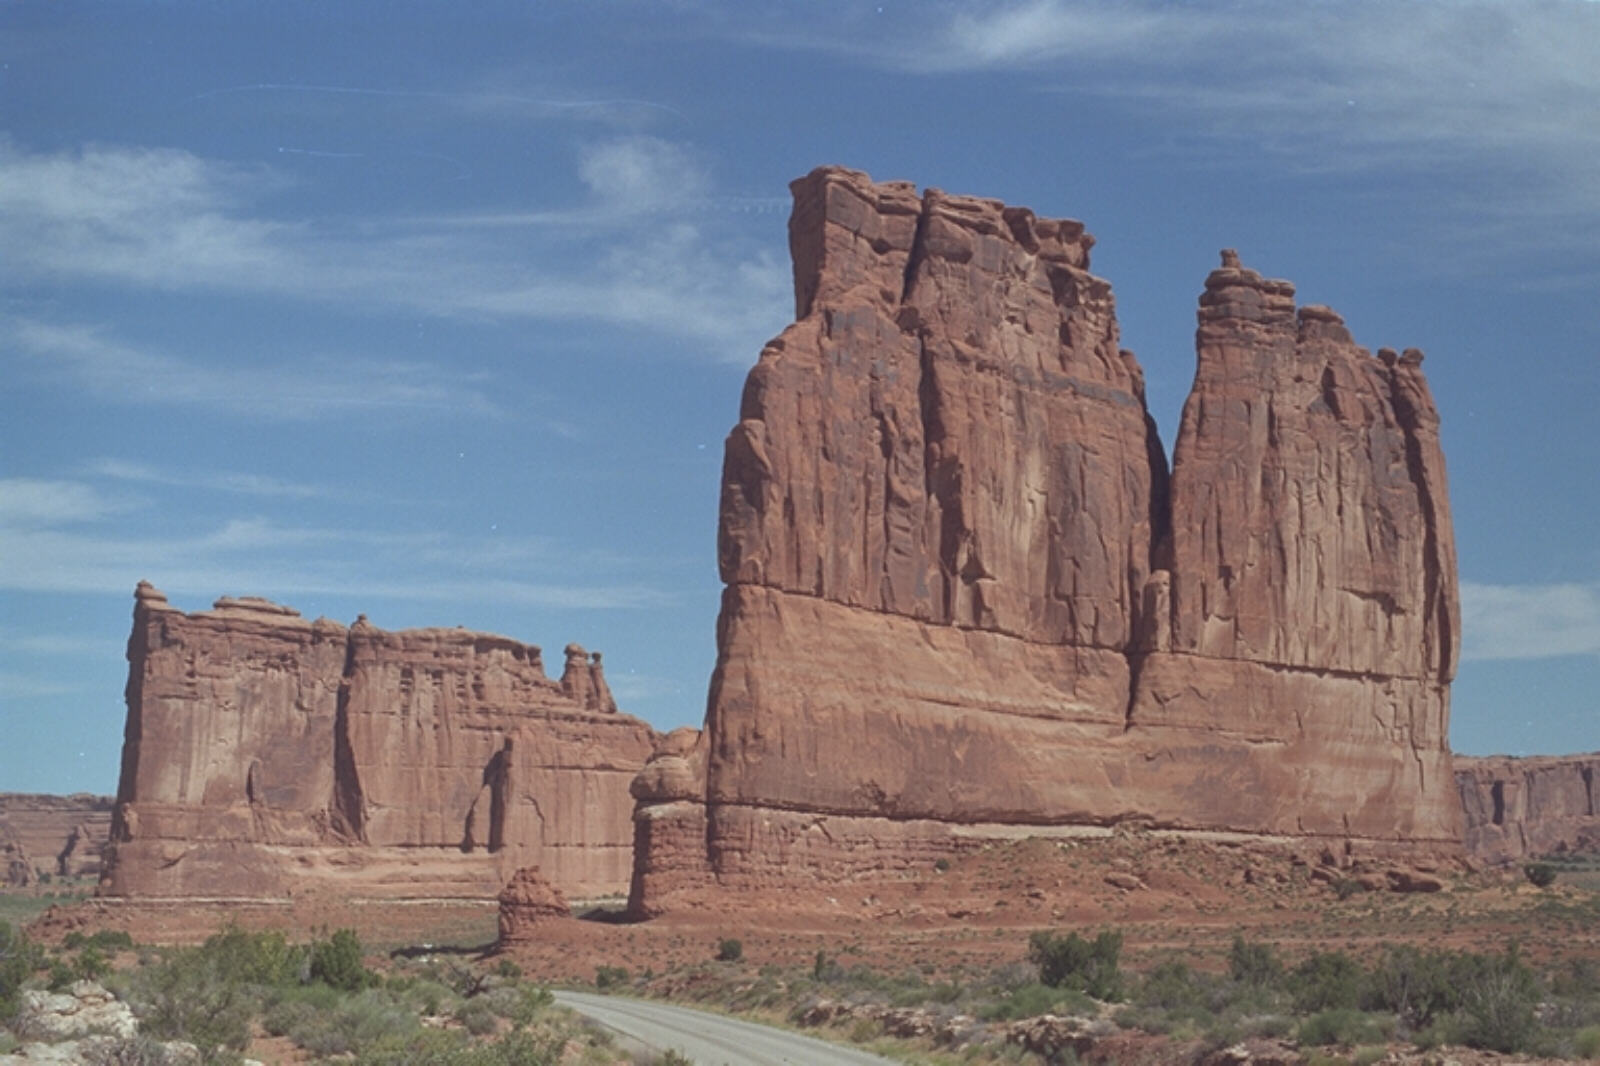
(440, 313)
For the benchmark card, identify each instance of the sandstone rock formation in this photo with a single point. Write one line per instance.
(964, 598)
(1526, 808)
(63, 835)
(527, 902)
(269, 756)
(16, 868)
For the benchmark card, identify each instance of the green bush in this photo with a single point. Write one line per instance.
(1327, 981)
(1253, 964)
(19, 957)
(477, 1017)
(1541, 874)
(1499, 1003)
(91, 963)
(1032, 1000)
(337, 962)
(729, 950)
(1088, 966)
(1344, 1026)
(1586, 1042)
(610, 977)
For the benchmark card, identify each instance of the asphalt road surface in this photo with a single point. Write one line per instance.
(711, 1039)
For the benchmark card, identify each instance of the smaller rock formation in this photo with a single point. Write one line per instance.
(1525, 808)
(527, 902)
(267, 756)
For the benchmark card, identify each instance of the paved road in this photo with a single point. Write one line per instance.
(711, 1039)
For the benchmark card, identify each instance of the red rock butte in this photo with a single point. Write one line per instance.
(269, 757)
(966, 599)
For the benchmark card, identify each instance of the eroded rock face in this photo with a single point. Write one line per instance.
(1525, 808)
(962, 595)
(527, 902)
(266, 756)
(62, 835)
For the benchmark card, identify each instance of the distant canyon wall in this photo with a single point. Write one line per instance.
(59, 836)
(267, 756)
(966, 598)
(1529, 807)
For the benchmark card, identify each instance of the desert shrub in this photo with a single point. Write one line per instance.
(477, 1017)
(1345, 887)
(60, 976)
(942, 865)
(674, 1058)
(104, 939)
(610, 977)
(1498, 1001)
(350, 1024)
(1088, 966)
(1343, 1025)
(336, 961)
(138, 1050)
(1327, 981)
(1586, 1042)
(1034, 999)
(508, 969)
(191, 995)
(91, 963)
(1253, 964)
(1541, 874)
(19, 957)
(729, 950)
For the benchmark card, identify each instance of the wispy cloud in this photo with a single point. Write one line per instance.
(22, 686)
(32, 502)
(244, 484)
(288, 390)
(168, 219)
(264, 556)
(1474, 91)
(1529, 621)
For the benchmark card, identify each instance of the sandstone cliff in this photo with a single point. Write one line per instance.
(1526, 808)
(62, 835)
(267, 756)
(964, 599)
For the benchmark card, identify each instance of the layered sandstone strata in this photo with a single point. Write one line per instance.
(267, 756)
(1526, 808)
(964, 599)
(62, 835)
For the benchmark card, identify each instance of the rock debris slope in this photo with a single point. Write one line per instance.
(268, 756)
(966, 599)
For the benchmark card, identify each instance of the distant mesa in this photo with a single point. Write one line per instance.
(966, 599)
(267, 756)
(51, 836)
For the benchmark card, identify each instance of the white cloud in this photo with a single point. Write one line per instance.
(1529, 621)
(636, 174)
(171, 220)
(288, 390)
(36, 501)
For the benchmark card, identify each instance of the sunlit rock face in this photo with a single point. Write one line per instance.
(965, 598)
(267, 756)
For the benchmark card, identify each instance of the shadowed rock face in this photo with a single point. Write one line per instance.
(964, 595)
(268, 756)
(1525, 808)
